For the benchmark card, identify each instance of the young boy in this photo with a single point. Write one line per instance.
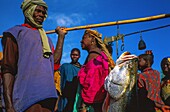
(148, 82)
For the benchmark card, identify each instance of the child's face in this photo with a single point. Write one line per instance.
(165, 65)
(75, 56)
(142, 64)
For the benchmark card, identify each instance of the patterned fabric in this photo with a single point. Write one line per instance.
(91, 77)
(150, 80)
(57, 81)
(57, 77)
(165, 91)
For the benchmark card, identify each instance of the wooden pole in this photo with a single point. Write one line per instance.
(150, 18)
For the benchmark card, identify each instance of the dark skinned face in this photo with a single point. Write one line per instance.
(39, 14)
(165, 65)
(142, 64)
(86, 42)
(75, 56)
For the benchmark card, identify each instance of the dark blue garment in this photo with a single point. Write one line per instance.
(69, 83)
(34, 80)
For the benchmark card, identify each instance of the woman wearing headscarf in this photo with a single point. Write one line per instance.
(92, 74)
(28, 62)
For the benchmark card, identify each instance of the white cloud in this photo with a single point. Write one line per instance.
(67, 20)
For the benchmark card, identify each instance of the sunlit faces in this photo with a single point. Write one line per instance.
(75, 55)
(141, 63)
(39, 14)
(86, 41)
(165, 65)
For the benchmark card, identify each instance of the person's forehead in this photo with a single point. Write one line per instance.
(141, 58)
(75, 52)
(86, 34)
(40, 7)
(166, 62)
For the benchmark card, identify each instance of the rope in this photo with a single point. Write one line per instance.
(147, 30)
(115, 38)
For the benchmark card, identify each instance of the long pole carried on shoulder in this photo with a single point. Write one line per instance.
(150, 18)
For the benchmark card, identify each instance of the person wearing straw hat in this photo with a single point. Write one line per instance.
(28, 62)
(92, 74)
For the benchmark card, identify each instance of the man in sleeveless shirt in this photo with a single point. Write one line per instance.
(28, 62)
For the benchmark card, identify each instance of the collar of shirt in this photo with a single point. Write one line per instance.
(147, 69)
(28, 26)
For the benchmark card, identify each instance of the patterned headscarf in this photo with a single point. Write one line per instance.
(98, 37)
(28, 7)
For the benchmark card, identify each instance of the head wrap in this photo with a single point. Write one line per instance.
(28, 7)
(98, 37)
(94, 33)
(167, 59)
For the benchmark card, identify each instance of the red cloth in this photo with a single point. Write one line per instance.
(92, 76)
(150, 80)
(28, 26)
(56, 67)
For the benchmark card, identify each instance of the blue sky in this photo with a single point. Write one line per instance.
(71, 13)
